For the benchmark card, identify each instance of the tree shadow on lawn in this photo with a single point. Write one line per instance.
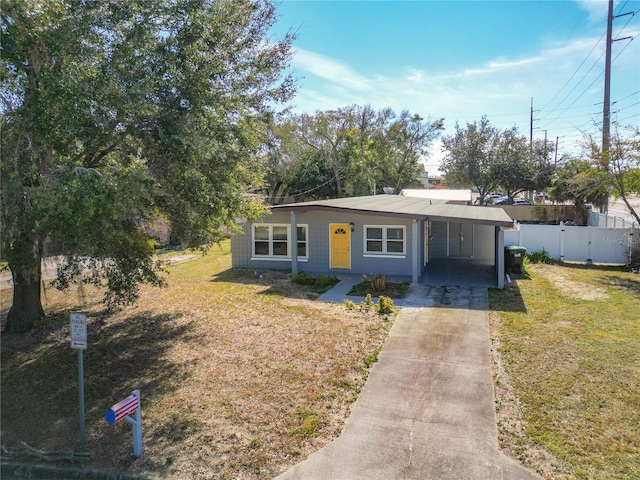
(275, 282)
(40, 380)
(628, 285)
(251, 276)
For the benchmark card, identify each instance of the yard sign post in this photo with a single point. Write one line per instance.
(78, 327)
(129, 409)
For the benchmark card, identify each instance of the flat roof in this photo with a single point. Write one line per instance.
(403, 206)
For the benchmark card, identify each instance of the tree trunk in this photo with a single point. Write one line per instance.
(580, 211)
(623, 195)
(336, 170)
(27, 305)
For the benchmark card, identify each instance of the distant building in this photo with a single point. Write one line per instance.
(440, 195)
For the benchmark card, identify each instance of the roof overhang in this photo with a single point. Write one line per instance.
(407, 207)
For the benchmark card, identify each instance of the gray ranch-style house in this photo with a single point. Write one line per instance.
(381, 234)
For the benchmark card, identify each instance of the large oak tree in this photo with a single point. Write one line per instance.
(116, 114)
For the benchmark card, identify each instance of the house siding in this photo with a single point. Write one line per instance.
(318, 244)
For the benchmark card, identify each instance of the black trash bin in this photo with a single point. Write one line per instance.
(513, 258)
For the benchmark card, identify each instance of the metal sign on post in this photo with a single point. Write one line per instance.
(129, 409)
(78, 327)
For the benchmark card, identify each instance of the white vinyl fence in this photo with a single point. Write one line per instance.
(597, 219)
(575, 244)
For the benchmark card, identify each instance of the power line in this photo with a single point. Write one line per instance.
(586, 89)
(627, 118)
(573, 75)
(628, 106)
(623, 49)
(546, 114)
(630, 95)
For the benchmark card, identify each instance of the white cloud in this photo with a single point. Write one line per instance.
(501, 88)
(330, 69)
(596, 9)
(466, 92)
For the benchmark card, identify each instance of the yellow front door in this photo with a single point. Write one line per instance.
(340, 237)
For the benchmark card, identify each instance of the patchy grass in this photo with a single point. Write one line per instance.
(567, 369)
(240, 375)
(392, 289)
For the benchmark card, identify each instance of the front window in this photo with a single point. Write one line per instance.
(280, 241)
(302, 241)
(384, 240)
(273, 241)
(374, 240)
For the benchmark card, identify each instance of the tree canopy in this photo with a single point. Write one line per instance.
(470, 155)
(354, 150)
(596, 175)
(485, 158)
(117, 114)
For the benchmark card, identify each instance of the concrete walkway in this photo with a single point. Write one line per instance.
(427, 408)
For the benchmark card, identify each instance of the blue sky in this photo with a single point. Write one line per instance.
(464, 59)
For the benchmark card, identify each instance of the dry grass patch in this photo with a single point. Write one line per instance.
(567, 371)
(239, 376)
(559, 277)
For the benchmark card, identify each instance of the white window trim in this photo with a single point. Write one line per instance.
(272, 257)
(384, 253)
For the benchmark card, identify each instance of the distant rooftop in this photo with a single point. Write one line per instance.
(445, 194)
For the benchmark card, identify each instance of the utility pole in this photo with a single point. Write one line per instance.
(555, 161)
(606, 109)
(531, 128)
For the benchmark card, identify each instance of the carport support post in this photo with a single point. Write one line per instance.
(500, 256)
(294, 243)
(414, 251)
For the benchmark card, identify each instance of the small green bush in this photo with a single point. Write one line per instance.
(367, 304)
(325, 282)
(539, 257)
(308, 426)
(303, 278)
(385, 305)
(320, 284)
(350, 305)
(371, 358)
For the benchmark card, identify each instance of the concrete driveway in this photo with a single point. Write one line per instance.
(427, 408)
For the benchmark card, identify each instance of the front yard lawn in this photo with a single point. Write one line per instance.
(567, 369)
(240, 374)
